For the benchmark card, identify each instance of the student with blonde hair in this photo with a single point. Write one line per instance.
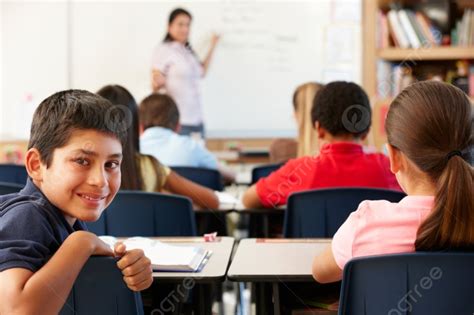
(282, 150)
(430, 139)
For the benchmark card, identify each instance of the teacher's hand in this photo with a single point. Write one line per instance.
(157, 80)
(215, 39)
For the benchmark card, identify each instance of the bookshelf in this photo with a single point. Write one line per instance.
(441, 56)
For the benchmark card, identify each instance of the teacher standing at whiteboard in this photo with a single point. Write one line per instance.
(177, 71)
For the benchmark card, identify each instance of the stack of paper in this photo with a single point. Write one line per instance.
(165, 257)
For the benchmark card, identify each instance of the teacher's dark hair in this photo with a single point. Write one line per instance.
(173, 15)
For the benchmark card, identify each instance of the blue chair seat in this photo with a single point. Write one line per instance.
(137, 213)
(320, 212)
(12, 173)
(9, 188)
(436, 283)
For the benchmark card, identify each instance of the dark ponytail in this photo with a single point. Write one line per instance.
(431, 123)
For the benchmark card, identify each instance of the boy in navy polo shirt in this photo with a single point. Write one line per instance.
(73, 163)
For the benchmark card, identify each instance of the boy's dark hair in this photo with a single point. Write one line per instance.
(159, 110)
(63, 112)
(342, 108)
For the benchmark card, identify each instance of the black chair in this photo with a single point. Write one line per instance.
(259, 223)
(9, 188)
(203, 176)
(136, 213)
(436, 283)
(264, 170)
(12, 173)
(99, 289)
(320, 213)
(212, 179)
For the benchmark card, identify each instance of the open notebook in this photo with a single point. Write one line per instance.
(165, 257)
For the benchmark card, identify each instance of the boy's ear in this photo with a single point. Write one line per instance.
(319, 130)
(141, 129)
(364, 135)
(178, 128)
(33, 164)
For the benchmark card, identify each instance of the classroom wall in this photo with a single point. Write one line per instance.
(34, 63)
(267, 49)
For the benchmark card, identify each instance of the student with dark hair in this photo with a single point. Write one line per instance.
(144, 172)
(159, 117)
(176, 70)
(73, 162)
(430, 136)
(341, 115)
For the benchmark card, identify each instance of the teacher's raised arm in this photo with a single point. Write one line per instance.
(176, 70)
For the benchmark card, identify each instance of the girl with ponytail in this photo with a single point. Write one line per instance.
(430, 141)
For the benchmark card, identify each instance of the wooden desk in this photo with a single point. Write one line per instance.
(234, 157)
(274, 261)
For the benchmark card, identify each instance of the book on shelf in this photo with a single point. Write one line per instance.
(406, 29)
(165, 257)
(392, 78)
(471, 81)
(463, 33)
(409, 28)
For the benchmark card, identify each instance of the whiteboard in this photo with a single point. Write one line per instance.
(266, 50)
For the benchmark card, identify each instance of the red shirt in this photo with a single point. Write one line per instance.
(341, 164)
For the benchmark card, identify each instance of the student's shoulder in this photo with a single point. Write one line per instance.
(21, 210)
(375, 208)
(380, 157)
(300, 162)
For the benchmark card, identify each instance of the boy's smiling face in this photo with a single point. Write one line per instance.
(84, 175)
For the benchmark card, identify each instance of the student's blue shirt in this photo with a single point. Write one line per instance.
(31, 229)
(173, 149)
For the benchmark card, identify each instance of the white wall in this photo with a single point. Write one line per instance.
(34, 63)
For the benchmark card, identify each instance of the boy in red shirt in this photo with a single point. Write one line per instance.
(341, 115)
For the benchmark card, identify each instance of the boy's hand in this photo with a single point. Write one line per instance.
(97, 246)
(102, 248)
(135, 266)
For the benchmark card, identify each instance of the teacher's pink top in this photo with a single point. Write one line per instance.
(183, 72)
(381, 227)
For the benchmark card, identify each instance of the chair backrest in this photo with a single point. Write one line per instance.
(263, 171)
(12, 173)
(204, 176)
(416, 283)
(9, 188)
(320, 213)
(100, 289)
(137, 213)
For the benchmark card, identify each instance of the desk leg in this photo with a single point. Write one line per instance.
(204, 299)
(276, 298)
(263, 298)
(266, 232)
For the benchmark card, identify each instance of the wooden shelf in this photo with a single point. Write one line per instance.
(435, 53)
